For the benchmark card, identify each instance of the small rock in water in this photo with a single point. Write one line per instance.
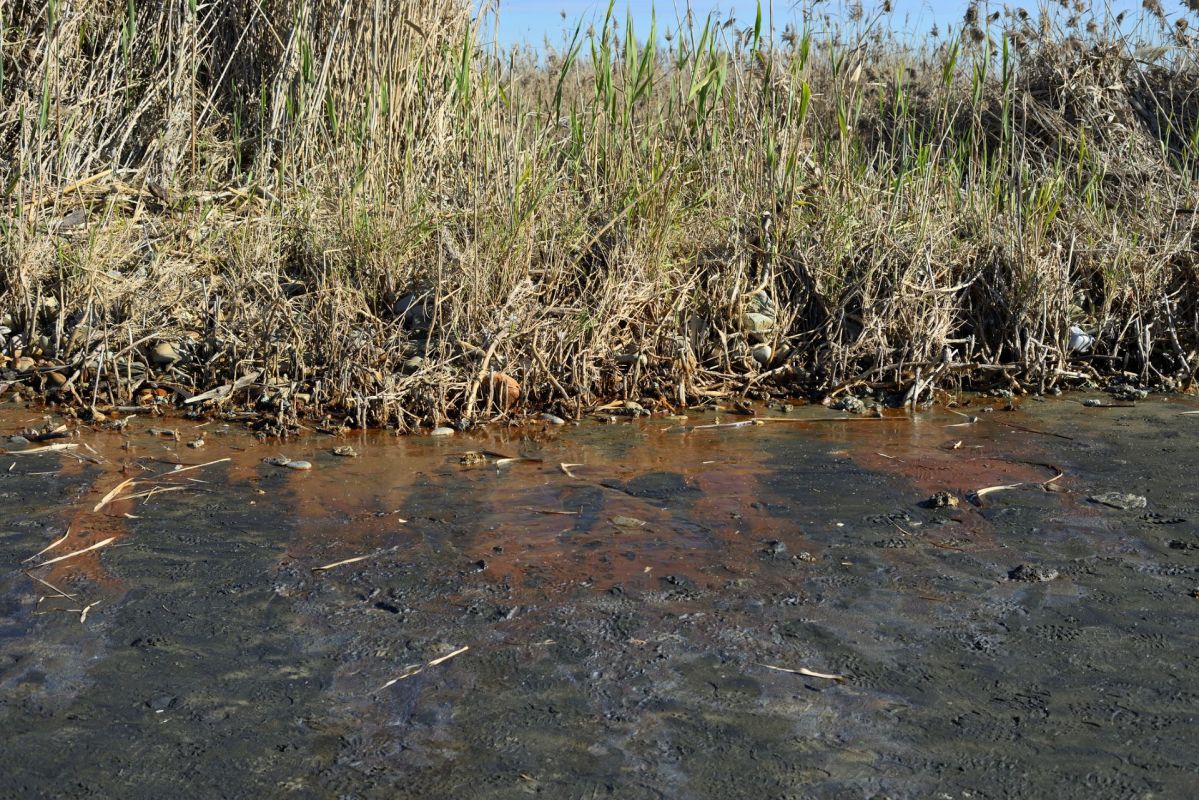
(775, 548)
(472, 457)
(1092, 402)
(1033, 573)
(442, 431)
(552, 420)
(942, 499)
(1127, 392)
(848, 403)
(762, 353)
(284, 461)
(346, 451)
(1119, 500)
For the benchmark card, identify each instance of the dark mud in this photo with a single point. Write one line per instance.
(622, 614)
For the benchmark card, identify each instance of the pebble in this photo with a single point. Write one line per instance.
(1119, 500)
(284, 461)
(1033, 573)
(762, 353)
(346, 451)
(552, 420)
(757, 323)
(848, 403)
(442, 431)
(942, 499)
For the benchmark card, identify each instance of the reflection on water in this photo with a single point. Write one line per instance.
(620, 588)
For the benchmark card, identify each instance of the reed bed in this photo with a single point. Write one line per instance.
(366, 213)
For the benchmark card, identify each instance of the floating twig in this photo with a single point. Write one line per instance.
(50, 448)
(353, 560)
(108, 498)
(174, 472)
(88, 549)
(87, 608)
(60, 592)
(977, 496)
(809, 673)
(49, 547)
(417, 670)
(566, 469)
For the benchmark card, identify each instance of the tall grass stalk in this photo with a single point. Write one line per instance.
(372, 206)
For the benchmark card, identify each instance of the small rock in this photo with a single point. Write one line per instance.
(196, 443)
(277, 461)
(161, 703)
(413, 312)
(345, 451)
(1033, 573)
(762, 353)
(1119, 500)
(442, 431)
(848, 403)
(24, 364)
(629, 359)
(757, 323)
(18, 440)
(472, 457)
(1127, 392)
(298, 465)
(552, 420)
(413, 364)
(942, 499)
(1092, 402)
(760, 303)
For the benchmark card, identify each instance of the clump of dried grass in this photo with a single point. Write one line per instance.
(374, 210)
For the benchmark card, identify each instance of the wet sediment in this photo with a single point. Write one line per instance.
(629, 617)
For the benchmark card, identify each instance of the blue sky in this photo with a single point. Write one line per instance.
(532, 20)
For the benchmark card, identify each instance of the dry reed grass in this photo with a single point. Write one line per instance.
(374, 210)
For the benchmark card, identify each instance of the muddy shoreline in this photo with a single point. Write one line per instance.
(629, 617)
